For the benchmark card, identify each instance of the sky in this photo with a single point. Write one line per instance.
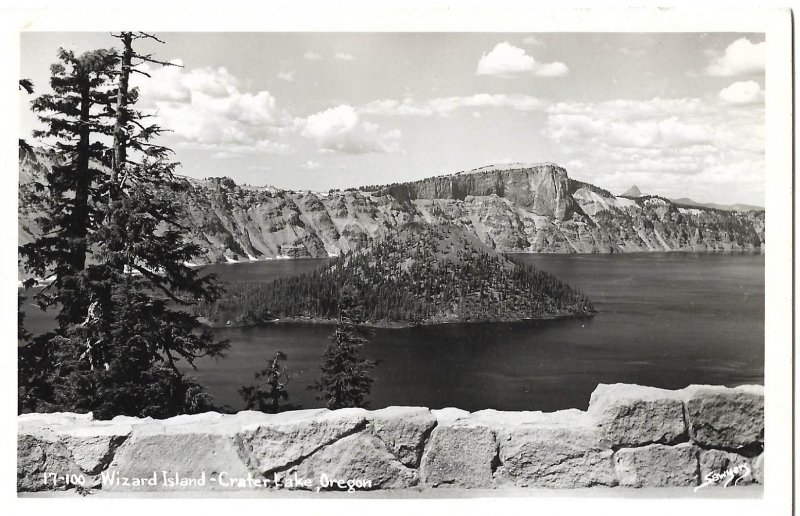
(677, 114)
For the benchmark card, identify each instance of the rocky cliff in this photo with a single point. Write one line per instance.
(541, 189)
(631, 436)
(512, 208)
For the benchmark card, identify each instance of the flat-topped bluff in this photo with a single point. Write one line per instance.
(511, 208)
(543, 189)
(630, 436)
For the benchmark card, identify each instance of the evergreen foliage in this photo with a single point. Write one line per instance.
(346, 379)
(269, 393)
(419, 274)
(74, 114)
(116, 255)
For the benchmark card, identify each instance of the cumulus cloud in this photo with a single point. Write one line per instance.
(311, 165)
(664, 133)
(205, 108)
(344, 57)
(312, 56)
(678, 147)
(392, 107)
(341, 129)
(445, 106)
(506, 60)
(743, 92)
(533, 41)
(230, 150)
(286, 76)
(741, 57)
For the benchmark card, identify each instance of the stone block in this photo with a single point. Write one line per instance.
(632, 415)
(459, 455)
(722, 417)
(361, 459)
(721, 462)
(195, 448)
(278, 441)
(758, 468)
(38, 459)
(404, 430)
(556, 450)
(657, 465)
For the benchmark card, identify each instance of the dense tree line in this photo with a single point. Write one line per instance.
(421, 274)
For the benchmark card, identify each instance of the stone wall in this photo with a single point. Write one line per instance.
(631, 436)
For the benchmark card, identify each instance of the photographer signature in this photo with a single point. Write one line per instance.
(734, 474)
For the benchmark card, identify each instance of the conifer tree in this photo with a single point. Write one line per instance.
(121, 265)
(269, 394)
(346, 380)
(74, 115)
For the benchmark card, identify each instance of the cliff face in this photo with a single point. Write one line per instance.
(235, 223)
(513, 208)
(631, 436)
(541, 189)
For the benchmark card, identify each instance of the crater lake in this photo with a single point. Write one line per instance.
(664, 319)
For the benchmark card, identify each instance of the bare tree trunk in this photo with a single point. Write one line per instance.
(120, 136)
(80, 222)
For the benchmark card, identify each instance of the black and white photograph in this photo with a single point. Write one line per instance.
(342, 264)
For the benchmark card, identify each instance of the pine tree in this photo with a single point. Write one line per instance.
(122, 329)
(269, 394)
(74, 115)
(346, 379)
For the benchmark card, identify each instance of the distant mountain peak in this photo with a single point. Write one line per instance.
(632, 192)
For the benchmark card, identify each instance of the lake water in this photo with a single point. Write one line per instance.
(664, 319)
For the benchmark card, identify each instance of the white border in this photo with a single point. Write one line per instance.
(416, 15)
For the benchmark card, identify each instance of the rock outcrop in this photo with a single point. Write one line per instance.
(542, 189)
(632, 192)
(631, 436)
(511, 208)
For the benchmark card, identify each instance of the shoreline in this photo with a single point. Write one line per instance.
(391, 324)
(750, 251)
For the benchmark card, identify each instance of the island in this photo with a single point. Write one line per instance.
(422, 273)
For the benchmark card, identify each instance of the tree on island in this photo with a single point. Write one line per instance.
(346, 379)
(115, 252)
(269, 394)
